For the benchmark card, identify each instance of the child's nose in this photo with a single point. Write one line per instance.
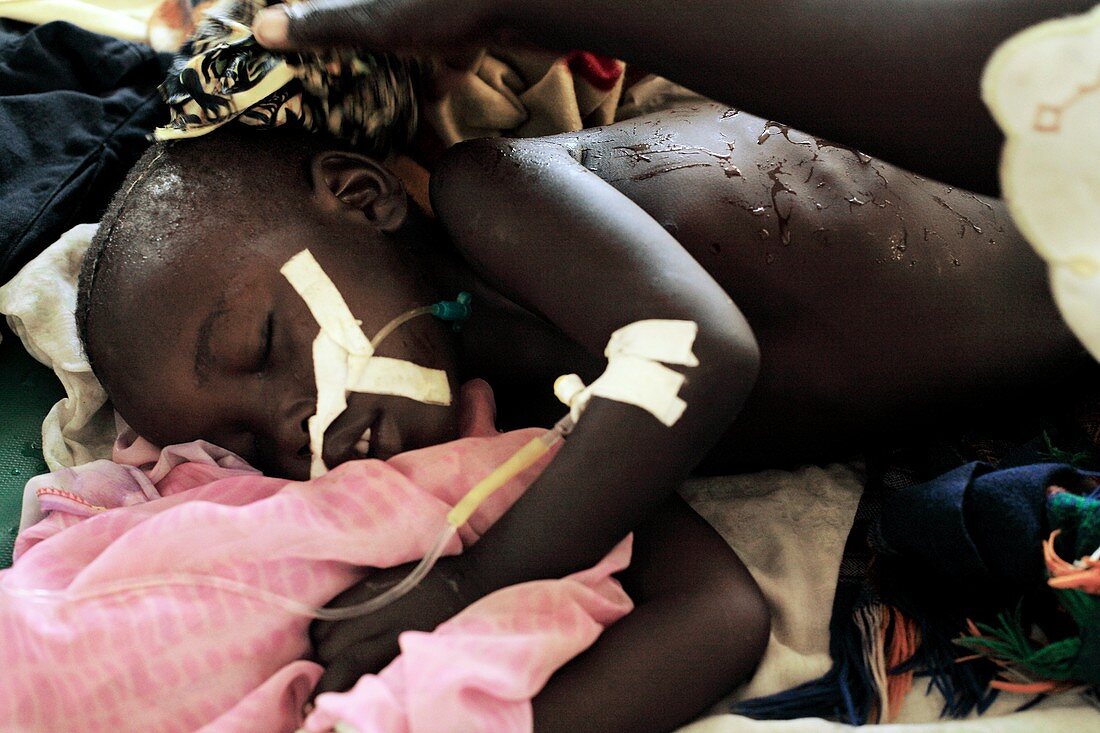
(290, 437)
(296, 425)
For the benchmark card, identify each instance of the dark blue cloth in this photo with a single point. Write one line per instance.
(75, 108)
(977, 528)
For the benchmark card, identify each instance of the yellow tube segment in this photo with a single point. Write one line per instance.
(521, 460)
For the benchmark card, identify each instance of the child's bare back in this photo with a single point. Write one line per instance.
(883, 303)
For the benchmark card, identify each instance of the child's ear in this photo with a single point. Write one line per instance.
(353, 181)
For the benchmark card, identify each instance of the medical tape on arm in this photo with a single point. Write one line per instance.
(344, 360)
(636, 373)
(659, 340)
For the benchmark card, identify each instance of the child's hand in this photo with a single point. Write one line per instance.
(351, 648)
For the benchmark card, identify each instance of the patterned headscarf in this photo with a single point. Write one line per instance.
(223, 74)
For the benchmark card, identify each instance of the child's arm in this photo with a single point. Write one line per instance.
(565, 244)
(898, 79)
(698, 629)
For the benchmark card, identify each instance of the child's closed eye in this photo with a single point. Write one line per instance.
(267, 339)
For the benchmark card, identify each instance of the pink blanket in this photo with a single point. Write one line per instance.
(186, 658)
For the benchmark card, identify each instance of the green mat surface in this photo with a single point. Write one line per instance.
(27, 392)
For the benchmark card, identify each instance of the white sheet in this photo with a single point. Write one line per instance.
(39, 303)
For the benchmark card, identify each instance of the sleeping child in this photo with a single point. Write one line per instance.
(833, 300)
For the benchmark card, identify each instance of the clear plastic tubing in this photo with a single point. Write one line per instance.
(519, 461)
(399, 321)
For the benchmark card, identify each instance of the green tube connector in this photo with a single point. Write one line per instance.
(457, 311)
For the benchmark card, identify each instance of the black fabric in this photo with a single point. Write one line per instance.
(75, 109)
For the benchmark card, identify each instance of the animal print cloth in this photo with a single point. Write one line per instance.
(222, 74)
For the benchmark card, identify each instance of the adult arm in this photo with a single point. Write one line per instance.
(898, 79)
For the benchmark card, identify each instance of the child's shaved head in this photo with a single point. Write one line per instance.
(194, 333)
(177, 189)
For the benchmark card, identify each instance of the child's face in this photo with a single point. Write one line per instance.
(216, 344)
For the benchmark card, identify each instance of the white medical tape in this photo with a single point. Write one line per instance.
(665, 341)
(330, 372)
(343, 358)
(643, 383)
(383, 375)
(635, 374)
(325, 302)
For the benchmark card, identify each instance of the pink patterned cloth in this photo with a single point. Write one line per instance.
(186, 658)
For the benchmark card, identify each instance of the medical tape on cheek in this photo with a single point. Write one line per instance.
(343, 358)
(325, 303)
(635, 374)
(339, 335)
(383, 375)
(330, 372)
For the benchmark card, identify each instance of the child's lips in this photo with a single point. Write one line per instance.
(378, 436)
(362, 446)
(385, 440)
(353, 443)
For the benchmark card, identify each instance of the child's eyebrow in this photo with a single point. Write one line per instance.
(203, 357)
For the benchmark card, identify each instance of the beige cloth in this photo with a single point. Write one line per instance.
(789, 528)
(126, 19)
(520, 93)
(39, 303)
(654, 93)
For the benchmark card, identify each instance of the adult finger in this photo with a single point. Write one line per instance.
(325, 23)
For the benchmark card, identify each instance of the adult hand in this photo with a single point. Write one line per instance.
(353, 647)
(439, 26)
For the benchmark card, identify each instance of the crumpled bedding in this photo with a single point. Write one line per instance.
(126, 19)
(39, 303)
(789, 528)
(374, 100)
(181, 657)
